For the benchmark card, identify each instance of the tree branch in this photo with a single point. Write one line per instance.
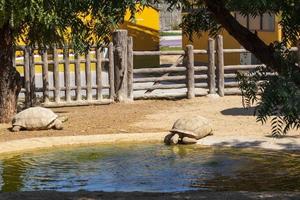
(245, 37)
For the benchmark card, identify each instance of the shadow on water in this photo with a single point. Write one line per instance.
(263, 173)
(13, 171)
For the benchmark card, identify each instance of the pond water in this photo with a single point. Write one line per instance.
(152, 168)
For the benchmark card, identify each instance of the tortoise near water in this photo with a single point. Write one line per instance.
(188, 130)
(36, 118)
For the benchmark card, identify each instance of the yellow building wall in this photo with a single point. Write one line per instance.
(229, 43)
(145, 33)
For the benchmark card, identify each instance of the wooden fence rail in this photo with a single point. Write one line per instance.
(58, 75)
(215, 77)
(64, 78)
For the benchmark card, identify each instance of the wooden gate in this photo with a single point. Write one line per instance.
(56, 77)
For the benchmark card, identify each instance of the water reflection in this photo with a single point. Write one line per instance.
(13, 171)
(266, 171)
(153, 168)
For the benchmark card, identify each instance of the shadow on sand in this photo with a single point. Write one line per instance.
(274, 143)
(239, 111)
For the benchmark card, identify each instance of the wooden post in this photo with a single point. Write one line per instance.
(77, 77)
(14, 58)
(99, 73)
(220, 65)
(190, 75)
(211, 66)
(88, 76)
(27, 77)
(67, 73)
(298, 52)
(120, 61)
(56, 76)
(130, 67)
(32, 76)
(45, 76)
(111, 71)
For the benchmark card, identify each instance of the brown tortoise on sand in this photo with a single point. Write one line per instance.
(36, 118)
(188, 130)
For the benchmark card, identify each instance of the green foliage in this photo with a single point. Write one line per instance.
(199, 19)
(170, 33)
(277, 96)
(81, 23)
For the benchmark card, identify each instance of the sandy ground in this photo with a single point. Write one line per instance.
(228, 116)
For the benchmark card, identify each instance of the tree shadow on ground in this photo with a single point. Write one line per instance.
(283, 143)
(239, 111)
(238, 143)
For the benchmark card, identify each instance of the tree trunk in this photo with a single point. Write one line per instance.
(245, 37)
(10, 84)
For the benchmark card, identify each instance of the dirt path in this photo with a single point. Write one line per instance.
(227, 115)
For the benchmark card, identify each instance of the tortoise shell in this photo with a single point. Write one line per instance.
(34, 118)
(192, 126)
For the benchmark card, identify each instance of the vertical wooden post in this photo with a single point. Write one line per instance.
(14, 58)
(190, 73)
(111, 75)
(220, 65)
(27, 77)
(99, 73)
(45, 76)
(67, 73)
(120, 61)
(77, 77)
(88, 76)
(298, 52)
(32, 76)
(56, 76)
(130, 67)
(211, 66)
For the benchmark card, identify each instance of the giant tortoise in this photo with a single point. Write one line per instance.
(36, 118)
(187, 130)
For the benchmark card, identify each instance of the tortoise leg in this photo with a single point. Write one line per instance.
(57, 125)
(188, 140)
(174, 139)
(16, 128)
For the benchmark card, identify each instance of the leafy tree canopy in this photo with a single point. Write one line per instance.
(277, 96)
(79, 22)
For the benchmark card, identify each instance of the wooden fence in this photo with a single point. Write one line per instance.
(67, 79)
(184, 76)
(214, 77)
